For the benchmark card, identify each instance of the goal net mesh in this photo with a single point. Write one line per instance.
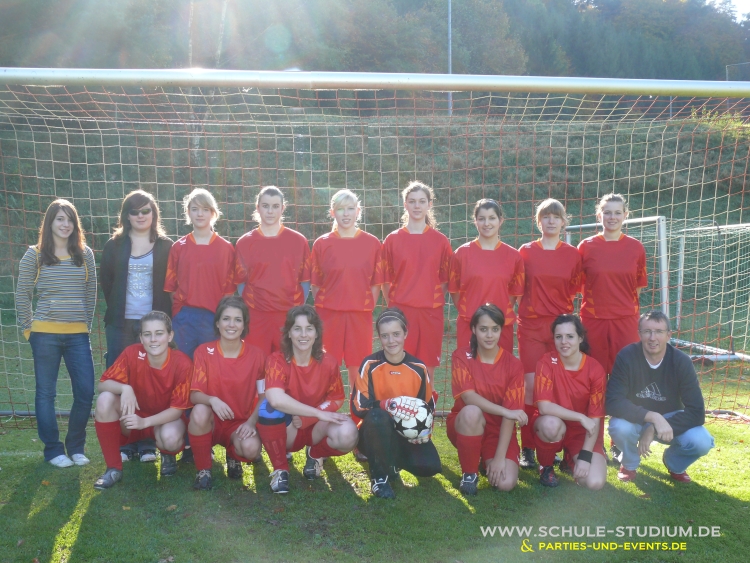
(683, 158)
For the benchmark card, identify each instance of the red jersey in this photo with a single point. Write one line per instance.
(200, 274)
(416, 266)
(313, 385)
(501, 382)
(612, 273)
(233, 380)
(345, 269)
(156, 390)
(579, 391)
(553, 278)
(272, 269)
(486, 276)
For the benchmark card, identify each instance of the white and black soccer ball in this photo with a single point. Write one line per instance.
(417, 426)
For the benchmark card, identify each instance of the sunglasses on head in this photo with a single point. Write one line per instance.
(136, 212)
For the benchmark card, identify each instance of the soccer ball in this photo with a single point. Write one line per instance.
(417, 426)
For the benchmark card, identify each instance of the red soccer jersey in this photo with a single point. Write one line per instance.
(272, 269)
(313, 385)
(553, 277)
(612, 273)
(486, 276)
(501, 382)
(233, 380)
(156, 390)
(416, 266)
(579, 391)
(345, 269)
(200, 274)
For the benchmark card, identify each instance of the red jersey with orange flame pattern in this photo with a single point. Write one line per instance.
(156, 390)
(553, 278)
(500, 382)
(416, 266)
(580, 391)
(233, 380)
(272, 269)
(612, 273)
(313, 385)
(345, 269)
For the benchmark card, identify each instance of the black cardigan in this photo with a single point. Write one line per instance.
(113, 276)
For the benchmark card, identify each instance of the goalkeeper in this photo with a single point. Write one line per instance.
(390, 385)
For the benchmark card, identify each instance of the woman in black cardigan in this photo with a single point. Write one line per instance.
(132, 271)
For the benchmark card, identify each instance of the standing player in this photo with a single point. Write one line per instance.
(553, 278)
(569, 392)
(271, 270)
(199, 273)
(416, 269)
(384, 379)
(303, 392)
(346, 278)
(226, 388)
(486, 270)
(143, 395)
(488, 387)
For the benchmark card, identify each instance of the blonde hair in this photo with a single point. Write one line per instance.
(271, 191)
(415, 186)
(202, 197)
(551, 206)
(339, 198)
(610, 198)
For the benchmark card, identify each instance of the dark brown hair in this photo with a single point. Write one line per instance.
(580, 329)
(487, 203)
(493, 312)
(238, 303)
(160, 316)
(270, 191)
(312, 318)
(138, 199)
(76, 241)
(415, 186)
(392, 314)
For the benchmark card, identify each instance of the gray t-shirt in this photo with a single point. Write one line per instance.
(139, 298)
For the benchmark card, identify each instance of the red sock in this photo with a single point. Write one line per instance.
(273, 437)
(527, 430)
(109, 434)
(545, 452)
(469, 451)
(322, 449)
(201, 450)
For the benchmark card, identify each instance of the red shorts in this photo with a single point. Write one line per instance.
(575, 434)
(303, 438)
(608, 336)
(534, 341)
(265, 330)
(490, 438)
(223, 430)
(463, 334)
(425, 337)
(347, 335)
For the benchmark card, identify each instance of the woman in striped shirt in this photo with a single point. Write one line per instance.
(61, 268)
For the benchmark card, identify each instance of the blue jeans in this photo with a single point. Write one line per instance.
(120, 337)
(683, 450)
(48, 349)
(192, 327)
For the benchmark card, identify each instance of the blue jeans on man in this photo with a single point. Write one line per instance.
(48, 349)
(682, 452)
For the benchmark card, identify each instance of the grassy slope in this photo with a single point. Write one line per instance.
(59, 517)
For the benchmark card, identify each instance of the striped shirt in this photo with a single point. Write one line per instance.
(66, 292)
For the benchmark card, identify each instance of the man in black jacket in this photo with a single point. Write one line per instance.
(653, 393)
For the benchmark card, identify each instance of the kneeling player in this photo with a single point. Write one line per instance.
(384, 380)
(143, 395)
(569, 393)
(227, 384)
(303, 392)
(488, 386)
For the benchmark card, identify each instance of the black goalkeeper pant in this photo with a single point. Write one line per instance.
(386, 448)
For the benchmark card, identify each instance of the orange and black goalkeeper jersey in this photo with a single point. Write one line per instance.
(379, 379)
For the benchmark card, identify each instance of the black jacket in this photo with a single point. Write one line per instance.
(634, 388)
(113, 276)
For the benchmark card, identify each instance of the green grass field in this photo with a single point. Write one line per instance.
(49, 514)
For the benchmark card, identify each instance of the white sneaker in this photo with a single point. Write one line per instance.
(124, 456)
(80, 459)
(61, 461)
(148, 455)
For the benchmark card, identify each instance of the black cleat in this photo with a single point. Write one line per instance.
(469, 484)
(187, 456)
(280, 481)
(381, 488)
(168, 465)
(528, 459)
(202, 480)
(547, 476)
(313, 466)
(615, 455)
(234, 468)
